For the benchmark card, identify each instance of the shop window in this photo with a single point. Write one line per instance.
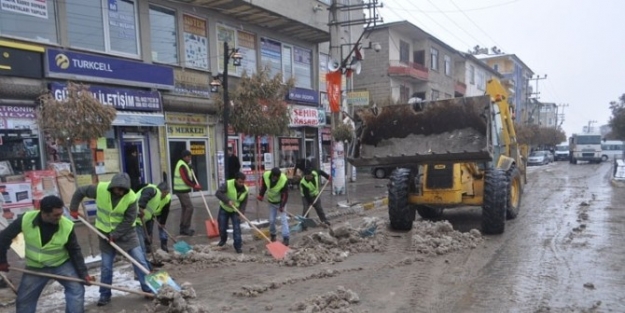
(302, 67)
(114, 31)
(289, 150)
(271, 55)
(37, 25)
(164, 38)
(287, 62)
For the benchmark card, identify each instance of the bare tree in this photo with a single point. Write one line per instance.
(79, 117)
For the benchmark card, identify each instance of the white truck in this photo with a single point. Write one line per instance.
(585, 147)
(562, 151)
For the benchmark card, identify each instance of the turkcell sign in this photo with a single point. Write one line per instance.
(120, 98)
(94, 68)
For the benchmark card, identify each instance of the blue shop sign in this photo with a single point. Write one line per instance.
(95, 68)
(303, 95)
(120, 98)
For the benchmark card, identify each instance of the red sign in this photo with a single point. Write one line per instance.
(333, 83)
(302, 116)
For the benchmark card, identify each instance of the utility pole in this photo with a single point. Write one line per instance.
(535, 78)
(588, 130)
(560, 115)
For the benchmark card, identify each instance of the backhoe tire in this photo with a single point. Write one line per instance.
(400, 212)
(427, 212)
(515, 192)
(495, 202)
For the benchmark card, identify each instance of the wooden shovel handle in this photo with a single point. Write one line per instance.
(6, 280)
(252, 225)
(166, 232)
(78, 280)
(316, 198)
(203, 199)
(114, 245)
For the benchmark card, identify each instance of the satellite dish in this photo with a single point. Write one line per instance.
(334, 65)
(356, 67)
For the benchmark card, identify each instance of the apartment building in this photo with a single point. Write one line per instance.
(516, 76)
(473, 74)
(411, 63)
(153, 61)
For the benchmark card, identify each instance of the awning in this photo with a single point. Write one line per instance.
(139, 119)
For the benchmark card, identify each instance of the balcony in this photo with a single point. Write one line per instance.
(460, 88)
(410, 70)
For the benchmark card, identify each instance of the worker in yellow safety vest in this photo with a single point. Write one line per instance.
(116, 214)
(275, 185)
(153, 203)
(309, 189)
(232, 194)
(51, 248)
(184, 182)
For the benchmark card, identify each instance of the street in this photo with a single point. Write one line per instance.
(563, 253)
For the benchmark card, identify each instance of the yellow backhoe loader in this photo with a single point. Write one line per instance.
(448, 153)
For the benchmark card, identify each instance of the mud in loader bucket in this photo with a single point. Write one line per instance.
(445, 130)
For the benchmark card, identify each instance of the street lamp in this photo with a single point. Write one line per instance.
(222, 80)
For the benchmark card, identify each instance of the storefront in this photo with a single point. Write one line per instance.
(306, 118)
(131, 145)
(190, 132)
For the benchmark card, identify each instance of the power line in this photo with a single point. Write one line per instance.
(466, 10)
(454, 22)
(477, 26)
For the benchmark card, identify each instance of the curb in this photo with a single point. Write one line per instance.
(617, 183)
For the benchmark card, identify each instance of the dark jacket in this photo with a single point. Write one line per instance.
(124, 234)
(284, 192)
(47, 230)
(234, 166)
(147, 193)
(222, 192)
(305, 190)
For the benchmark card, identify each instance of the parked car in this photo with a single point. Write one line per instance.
(540, 158)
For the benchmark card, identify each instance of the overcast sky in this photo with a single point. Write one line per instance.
(579, 45)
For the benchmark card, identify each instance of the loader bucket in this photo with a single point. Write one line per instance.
(445, 130)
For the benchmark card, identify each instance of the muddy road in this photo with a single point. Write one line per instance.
(563, 253)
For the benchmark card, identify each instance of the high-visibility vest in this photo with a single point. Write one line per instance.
(51, 254)
(162, 204)
(232, 195)
(312, 186)
(273, 193)
(152, 206)
(107, 217)
(179, 184)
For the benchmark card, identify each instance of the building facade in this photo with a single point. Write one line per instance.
(474, 74)
(153, 61)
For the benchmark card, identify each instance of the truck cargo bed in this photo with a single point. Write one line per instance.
(445, 130)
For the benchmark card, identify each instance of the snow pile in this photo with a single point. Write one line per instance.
(256, 290)
(171, 301)
(339, 301)
(338, 243)
(437, 238)
(207, 255)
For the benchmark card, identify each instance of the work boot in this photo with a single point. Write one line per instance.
(164, 246)
(238, 250)
(273, 238)
(221, 243)
(285, 241)
(104, 300)
(327, 223)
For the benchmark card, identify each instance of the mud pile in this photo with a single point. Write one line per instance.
(339, 301)
(205, 255)
(169, 300)
(438, 238)
(338, 243)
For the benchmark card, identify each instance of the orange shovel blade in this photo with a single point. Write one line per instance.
(211, 229)
(277, 249)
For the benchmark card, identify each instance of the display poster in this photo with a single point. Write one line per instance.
(195, 42)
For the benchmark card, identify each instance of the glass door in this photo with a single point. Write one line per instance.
(199, 159)
(136, 163)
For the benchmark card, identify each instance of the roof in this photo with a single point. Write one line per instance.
(505, 55)
(476, 60)
(410, 28)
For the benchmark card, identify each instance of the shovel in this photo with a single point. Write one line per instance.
(181, 246)
(78, 280)
(277, 249)
(211, 225)
(154, 280)
(6, 280)
(309, 222)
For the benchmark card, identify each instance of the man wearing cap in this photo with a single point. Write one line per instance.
(309, 189)
(232, 194)
(116, 214)
(275, 184)
(184, 182)
(152, 200)
(51, 248)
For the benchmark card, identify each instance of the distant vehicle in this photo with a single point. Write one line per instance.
(539, 158)
(611, 150)
(562, 151)
(585, 147)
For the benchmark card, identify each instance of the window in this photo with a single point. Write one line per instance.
(40, 26)
(404, 94)
(404, 52)
(481, 80)
(434, 59)
(113, 31)
(163, 35)
(496, 67)
(271, 55)
(471, 74)
(447, 65)
(287, 62)
(302, 67)
(435, 95)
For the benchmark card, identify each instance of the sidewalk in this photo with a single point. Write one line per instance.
(364, 194)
